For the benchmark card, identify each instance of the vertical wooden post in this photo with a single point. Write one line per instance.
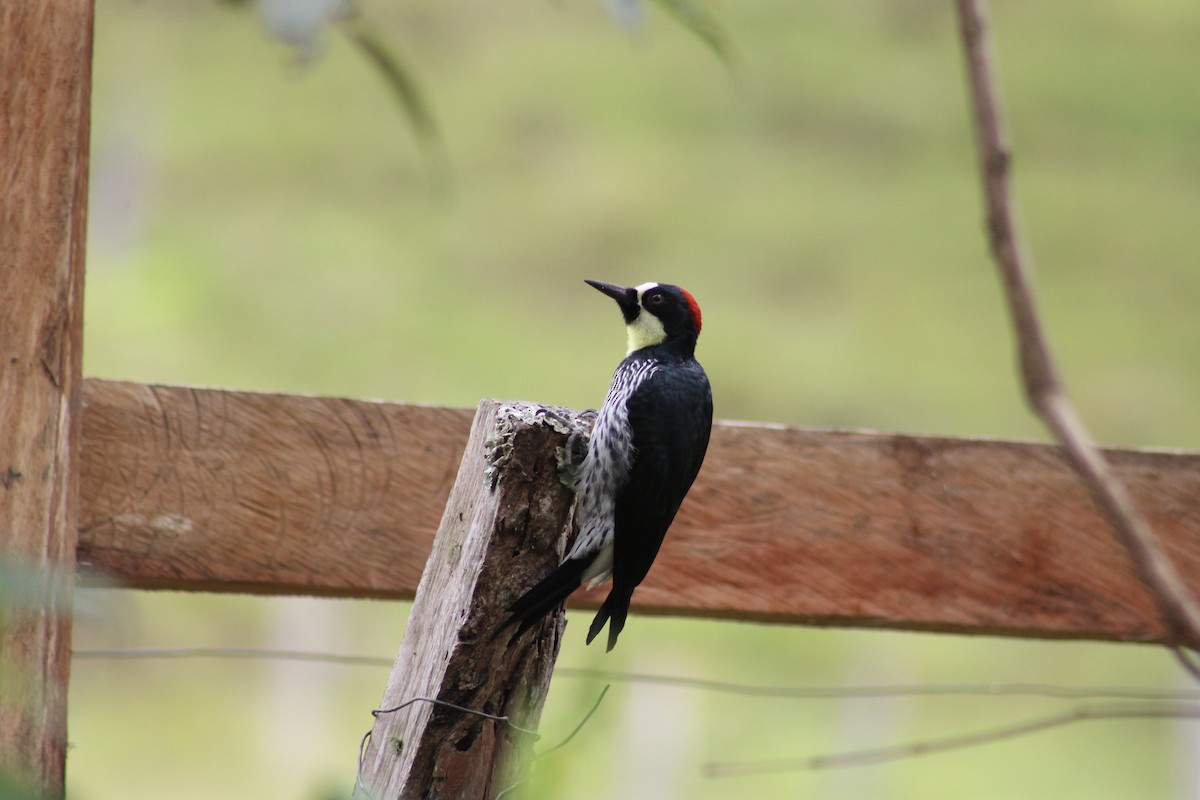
(504, 527)
(45, 95)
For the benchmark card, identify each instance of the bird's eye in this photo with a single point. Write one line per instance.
(655, 298)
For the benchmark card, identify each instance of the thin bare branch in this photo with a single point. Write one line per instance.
(1187, 661)
(861, 758)
(579, 727)
(1043, 388)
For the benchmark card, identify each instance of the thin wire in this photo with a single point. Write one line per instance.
(362, 756)
(899, 690)
(722, 769)
(858, 758)
(362, 746)
(446, 704)
(704, 684)
(229, 653)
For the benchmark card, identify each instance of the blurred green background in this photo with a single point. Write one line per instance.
(260, 225)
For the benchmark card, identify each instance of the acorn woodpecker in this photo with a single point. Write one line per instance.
(646, 447)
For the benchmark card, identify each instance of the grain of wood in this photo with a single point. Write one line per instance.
(493, 541)
(45, 61)
(256, 492)
(922, 533)
(202, 489)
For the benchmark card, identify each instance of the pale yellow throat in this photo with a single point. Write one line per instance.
(647, 330)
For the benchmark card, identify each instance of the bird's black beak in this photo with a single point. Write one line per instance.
(627, 299)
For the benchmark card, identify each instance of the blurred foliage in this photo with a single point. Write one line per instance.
(697, 18)
(301, 24)
(14, 789)
(21, 586)
(257, 227)
(404, 86)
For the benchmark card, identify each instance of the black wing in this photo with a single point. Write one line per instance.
(670, 418)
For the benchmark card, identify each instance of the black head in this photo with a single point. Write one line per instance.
(656, 313)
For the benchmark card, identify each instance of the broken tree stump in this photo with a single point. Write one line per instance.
(505, 526)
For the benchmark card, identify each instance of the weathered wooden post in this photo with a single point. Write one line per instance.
(45, 61)
(505, 525)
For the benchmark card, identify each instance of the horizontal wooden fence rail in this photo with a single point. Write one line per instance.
(250, 492)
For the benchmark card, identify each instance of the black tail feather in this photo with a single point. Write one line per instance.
(601, 618)
(531, 607)
(613, 611)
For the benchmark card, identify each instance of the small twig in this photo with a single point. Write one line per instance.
(860, 758)
(579, 727)
(1187, 661)
(586, 718)
(1043, 389)
(511, 788)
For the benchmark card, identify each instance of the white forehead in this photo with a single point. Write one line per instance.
(645, 287)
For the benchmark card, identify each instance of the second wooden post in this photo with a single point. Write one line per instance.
(504, 527)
